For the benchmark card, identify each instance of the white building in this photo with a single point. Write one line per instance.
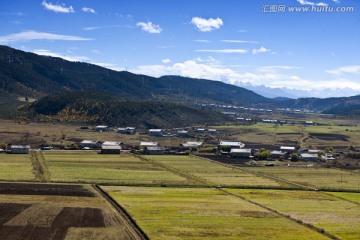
(241, 152)
(156, 132)
(20, 149)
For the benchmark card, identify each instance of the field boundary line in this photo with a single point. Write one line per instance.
(259, 173)
(39, 166)
(341, 198)
(310, 226)
(177, 171)
(125, 217)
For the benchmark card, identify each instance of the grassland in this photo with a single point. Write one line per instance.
(203, 213)
(337, 217)
(322, 178)
(16, 167)
(215, 173)
(91, 167)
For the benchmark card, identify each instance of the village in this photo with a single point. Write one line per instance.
(206, 142)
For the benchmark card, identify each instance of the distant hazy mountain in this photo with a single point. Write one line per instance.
(293, 93)
(343, 106)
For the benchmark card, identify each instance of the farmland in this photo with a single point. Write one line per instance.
(17, 168)
(354, 197)
(215, 173)
(305, 136)
(186, 213)
(337, 217)
(91, 167)
(322, 178)
(33, 211)
(171, 197)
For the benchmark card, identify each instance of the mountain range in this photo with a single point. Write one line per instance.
(25, 75)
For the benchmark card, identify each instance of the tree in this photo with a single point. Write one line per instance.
(294, 157)
(225, 148)
(263, 155)
(3, 145)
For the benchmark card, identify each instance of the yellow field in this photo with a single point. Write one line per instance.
(203, 213)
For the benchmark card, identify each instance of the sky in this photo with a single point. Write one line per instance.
(293, 44)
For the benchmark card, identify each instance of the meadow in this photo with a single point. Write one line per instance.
(336, 216)
(203, 213)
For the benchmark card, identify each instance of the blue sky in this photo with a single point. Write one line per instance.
(257, 42)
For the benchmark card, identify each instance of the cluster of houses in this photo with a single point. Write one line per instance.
(151, 148)
(256, 110)
(284, 152)
(159, 132)
(231, 148)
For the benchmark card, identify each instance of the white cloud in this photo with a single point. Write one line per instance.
(273, 77)
(33, 35)
(96, 51)
(73, 58)
(44, 52)
(88, 10)
(149, 27)
(305, 2)
(274, 68)
(206, 60)
(243, 51)
(166, 60)
(201, 41)
(238, 41)
(110, 26)
(57, 8)
(207, 25)
(260, 50)
(189, 68)
(166, 46)
(354, 69)
(242, 31)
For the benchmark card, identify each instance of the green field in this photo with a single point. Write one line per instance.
(322, 178)
(335, 216)
(90, 167)
(215, 173)
(203, 213)
(16, 167)
(354, 197)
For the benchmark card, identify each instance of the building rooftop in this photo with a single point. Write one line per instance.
(20, 146)
(243, 150)
(232, 144)
(144, 144)
(111, 147)
(111, 143)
